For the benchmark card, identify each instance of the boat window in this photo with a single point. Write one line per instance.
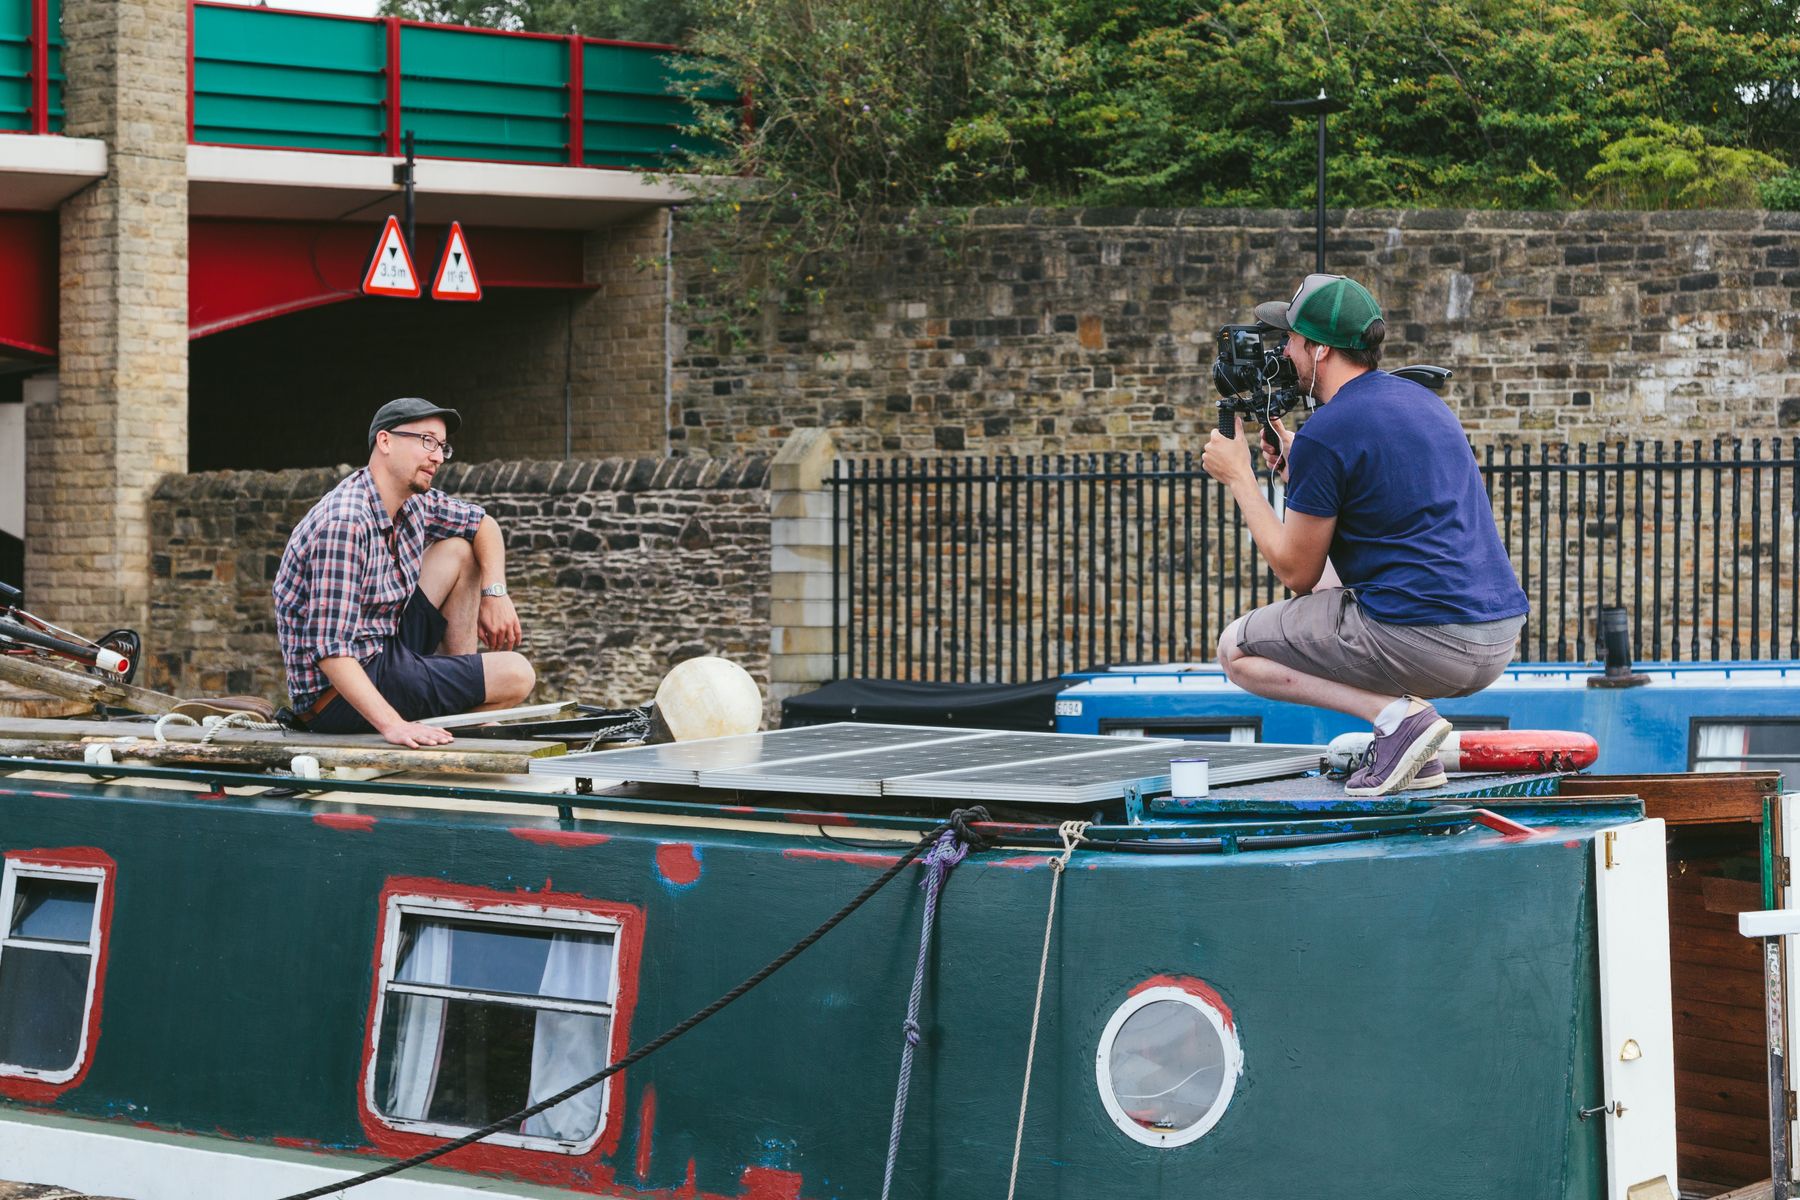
(486, 1013)
(1167, 1063)
(1746, 745)
(47, 959)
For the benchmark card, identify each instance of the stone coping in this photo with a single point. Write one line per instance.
(1719, 219)
(492, 478)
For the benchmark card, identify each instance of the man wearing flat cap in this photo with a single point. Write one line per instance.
(388, 588)
(1383, 487)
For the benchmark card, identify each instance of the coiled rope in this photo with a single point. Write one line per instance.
(1072, 834)
(213, 724)
(958, 826)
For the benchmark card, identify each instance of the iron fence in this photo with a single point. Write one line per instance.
(1015, 568)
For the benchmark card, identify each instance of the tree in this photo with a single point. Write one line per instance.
(663, 21)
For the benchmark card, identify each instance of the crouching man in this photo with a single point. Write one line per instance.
(387, 589)
(1382, 485)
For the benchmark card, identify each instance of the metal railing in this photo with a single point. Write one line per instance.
(1016, 568)
(302, 81)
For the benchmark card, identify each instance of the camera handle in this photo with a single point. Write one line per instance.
(1228, 427)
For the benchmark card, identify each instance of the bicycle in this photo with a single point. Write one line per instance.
(113, 657)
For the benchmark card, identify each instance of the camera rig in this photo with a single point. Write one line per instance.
(1256, 379)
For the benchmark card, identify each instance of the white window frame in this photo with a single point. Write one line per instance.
(19, 868)
(1167, 1139)
(527, 916)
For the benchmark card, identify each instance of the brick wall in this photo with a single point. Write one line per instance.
(620, 568)
(116, 420)
(1050, 330)
(531, 371)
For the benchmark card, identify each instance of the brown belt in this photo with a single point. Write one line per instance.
(318, 706)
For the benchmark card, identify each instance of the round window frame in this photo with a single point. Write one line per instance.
(1234, 1067)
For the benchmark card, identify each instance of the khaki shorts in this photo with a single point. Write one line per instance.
(1327, 634)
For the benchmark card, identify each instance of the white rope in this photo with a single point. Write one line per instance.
(1072, 834)
(183, 718)
(215, 723)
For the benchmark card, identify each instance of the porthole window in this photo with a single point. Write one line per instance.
(1167, 1063)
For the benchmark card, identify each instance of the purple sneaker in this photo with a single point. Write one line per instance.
(1396, 757)
(1430, 776)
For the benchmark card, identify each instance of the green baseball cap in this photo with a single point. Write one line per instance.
(1332, 310)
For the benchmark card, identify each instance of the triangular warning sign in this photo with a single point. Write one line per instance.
(456, 278)
(391, 272)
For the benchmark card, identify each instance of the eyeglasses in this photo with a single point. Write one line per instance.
(430, 442)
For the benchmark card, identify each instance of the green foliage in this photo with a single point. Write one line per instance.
(1783, 191)
(1669, 166)
(666, 21)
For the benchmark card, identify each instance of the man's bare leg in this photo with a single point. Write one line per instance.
(449, 580)
(1274, 681)
(509, 678)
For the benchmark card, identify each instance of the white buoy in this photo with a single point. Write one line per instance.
(96, 755)
(1188, 777)
(304, 766)
(708, 697)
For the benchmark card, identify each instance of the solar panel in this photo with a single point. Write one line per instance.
(1091, 778)
(853, 759)
(682, 762)
(870, 772)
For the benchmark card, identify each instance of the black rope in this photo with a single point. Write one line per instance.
(959, 821)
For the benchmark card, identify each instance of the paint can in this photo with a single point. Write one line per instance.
(1187, 777)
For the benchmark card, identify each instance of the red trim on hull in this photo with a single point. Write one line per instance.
(1197, 988)
(346, 822)
(571, 838)
(679, 863)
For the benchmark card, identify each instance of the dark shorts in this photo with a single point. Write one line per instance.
(418, 683)
(1327, 634)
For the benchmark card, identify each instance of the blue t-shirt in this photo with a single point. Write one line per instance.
(1415, 531)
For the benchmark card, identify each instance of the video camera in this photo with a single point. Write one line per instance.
(1256, 379)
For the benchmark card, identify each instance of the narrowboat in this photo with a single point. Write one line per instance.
(219, 981)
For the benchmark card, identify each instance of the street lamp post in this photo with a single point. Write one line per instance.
(1320, 105)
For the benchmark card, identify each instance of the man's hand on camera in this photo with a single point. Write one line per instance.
(1277, 460)
(1227, 459)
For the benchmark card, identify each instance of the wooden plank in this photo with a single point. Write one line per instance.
(1755, 1191)
(1744, 989)
(1685, 799)
(89, 689)
(1722, 1166)
(1723, 1131)
(380, 756)
(1731, 896)
(1698, 948)
(1721, 1022)
(57, 731)
(1715, 1093)
(1713, 1057)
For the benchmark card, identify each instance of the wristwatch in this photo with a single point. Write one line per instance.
(494, 589)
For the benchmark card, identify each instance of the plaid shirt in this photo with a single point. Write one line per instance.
(348, 571)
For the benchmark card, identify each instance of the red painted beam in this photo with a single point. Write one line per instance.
(244, 271)
(40, 66)
(28, 263)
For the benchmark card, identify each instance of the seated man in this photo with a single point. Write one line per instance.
(385, 587)
(1382, 485)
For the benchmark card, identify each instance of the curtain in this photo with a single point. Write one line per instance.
(1727, 745)
(568, 1047)
(420, 1047)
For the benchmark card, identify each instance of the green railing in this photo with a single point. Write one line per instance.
(298, 81)
(31, 75)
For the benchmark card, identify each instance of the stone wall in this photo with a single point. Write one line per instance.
(620, 568)
(536, 374)
(1051, 330)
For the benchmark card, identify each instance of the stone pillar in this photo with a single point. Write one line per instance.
(118, 420)
(801, 615)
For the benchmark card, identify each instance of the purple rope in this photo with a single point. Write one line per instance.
(938, 860)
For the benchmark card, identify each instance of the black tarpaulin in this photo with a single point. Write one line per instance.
(1024, 706)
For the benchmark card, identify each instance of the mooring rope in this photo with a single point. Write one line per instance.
(1072, 834)
(960, 826)
(949, 850)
